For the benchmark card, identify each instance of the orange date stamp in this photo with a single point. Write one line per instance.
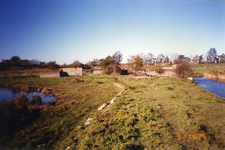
(192, 137)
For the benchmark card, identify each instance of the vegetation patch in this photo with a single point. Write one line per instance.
(78, 101)
(216, 70)
(170, 118)
(160, 113)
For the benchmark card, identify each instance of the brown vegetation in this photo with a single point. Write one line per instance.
(159, 69)
(183, 68)
(216, 72)
(109, 66)
(36, 100)
(17, 113)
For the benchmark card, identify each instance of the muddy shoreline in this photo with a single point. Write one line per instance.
(197, 75)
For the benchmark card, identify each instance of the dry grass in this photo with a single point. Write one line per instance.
(215, 70)
(34, 72)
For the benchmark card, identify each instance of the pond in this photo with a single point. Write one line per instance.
(215, 87)
(9, 93)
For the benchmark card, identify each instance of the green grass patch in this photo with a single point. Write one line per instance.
(156, 114)
(159, 113)
(80, 96)
(200, 68)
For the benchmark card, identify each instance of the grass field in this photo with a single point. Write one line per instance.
(197, 68)
(157, 114)
(81, 97)
(160, 113)
(200, 68)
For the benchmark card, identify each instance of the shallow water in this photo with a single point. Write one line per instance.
(9, 93)
(215, 87)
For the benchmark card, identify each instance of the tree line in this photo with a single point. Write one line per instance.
(16, 63)
(149, 59)
(111, 62)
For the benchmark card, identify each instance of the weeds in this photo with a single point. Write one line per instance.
(16, 114)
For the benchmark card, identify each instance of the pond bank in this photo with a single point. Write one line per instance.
(215, 73)
(219, 77)
(32, 88)
(10, 93)
(25, 88)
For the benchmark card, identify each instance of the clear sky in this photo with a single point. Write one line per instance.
(68, 30)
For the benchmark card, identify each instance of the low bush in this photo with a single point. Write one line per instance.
(183, 68)
(159, 69)
(36, 100)
(16, 113)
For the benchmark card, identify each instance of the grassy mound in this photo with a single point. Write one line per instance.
(159, 113)
(80, 98)
(156, 114)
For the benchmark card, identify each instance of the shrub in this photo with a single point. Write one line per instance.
(117, 70)
(52, 65)
(183, 68)
(21, 101)
(112, 68)
(109, 66)
(36, 100)
(15, 114)
(159, 69)
(108, 70)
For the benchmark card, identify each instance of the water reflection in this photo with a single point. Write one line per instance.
(9, 93)
(215, 87)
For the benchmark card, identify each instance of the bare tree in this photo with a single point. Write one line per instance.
(180, 57)
(149, 58)
(200, 59)
(212, 55)
(167, 60)
(160, 58)
(195, 59)
(174, 56)
(188, 59)
(222, 58)
(117, 57)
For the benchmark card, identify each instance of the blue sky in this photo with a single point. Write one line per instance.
(68, 30)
